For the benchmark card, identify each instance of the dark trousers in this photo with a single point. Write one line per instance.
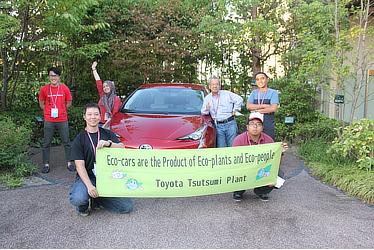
(49, 130)
(262, 190)
(258, 190)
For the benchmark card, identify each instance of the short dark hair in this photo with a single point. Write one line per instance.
(260, 72)
(54, 70)
(91, 105)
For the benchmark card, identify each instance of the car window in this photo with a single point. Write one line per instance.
(165, 101)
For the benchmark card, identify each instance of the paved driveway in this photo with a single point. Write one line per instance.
(304, 213)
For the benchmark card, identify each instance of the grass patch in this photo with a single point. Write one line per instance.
(341, 173)
(11, 180)
(13, 177)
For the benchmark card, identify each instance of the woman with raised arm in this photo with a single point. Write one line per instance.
(109, 102)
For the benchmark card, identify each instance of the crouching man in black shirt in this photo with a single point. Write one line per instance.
(83, 150)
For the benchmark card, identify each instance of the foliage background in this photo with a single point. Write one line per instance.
(144, 41)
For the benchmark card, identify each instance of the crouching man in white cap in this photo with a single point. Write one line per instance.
(255, 136)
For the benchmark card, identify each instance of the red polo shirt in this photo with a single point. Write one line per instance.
(243, 140)
(55, 95)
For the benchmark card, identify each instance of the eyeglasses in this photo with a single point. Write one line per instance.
(255, 125)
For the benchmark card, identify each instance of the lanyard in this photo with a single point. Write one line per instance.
(92, 144)
(263, 97)
(249, 140)
(215, 109)
(54, 101)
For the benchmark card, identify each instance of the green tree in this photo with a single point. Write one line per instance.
(35, 34)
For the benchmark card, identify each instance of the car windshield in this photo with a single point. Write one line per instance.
(165, 100)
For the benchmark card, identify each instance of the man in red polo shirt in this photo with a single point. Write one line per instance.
(255, 136)
(54, 99)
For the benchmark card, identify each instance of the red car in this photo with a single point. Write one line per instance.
(164, 116)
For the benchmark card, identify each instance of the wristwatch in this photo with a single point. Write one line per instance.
(110, 143)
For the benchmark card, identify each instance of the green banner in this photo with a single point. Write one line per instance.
(185, 172)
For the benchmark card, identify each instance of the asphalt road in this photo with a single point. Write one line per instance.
(304, 213)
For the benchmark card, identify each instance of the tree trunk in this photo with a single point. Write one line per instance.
(360, 67)
(256, 52)
(4, 90)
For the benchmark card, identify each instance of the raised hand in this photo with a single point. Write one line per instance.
(94, 64)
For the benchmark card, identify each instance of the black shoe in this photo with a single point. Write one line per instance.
(263, 197)
(95, 204)
(45, 169)
(71, 167)
(237, 197)
(84, 213)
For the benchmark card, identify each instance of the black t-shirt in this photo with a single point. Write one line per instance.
(81, 148)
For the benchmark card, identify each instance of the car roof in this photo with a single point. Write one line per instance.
(173, 85)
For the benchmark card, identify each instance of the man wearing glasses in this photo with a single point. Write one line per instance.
(55, 98)
(255, 136)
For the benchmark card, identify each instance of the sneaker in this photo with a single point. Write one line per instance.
(263, 197)
(45, 169)
(71, 167)
(237, 197)
(95, 204)
(84, 213)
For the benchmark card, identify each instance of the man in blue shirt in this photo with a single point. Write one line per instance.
(265, 101)
(222, 106)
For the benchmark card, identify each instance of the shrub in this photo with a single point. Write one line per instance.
(241, 120)
(338, 171)
(28, 121)
(76, 122)
(321, 127)
(357, 143)
(14, 142)
(315, 150)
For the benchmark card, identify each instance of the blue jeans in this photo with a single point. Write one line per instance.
(226, 132)
(79, 197)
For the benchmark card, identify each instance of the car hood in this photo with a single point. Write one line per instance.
(137, 127)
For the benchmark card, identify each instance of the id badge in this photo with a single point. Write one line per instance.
(54, 112)
(94, 169)
(106, 116)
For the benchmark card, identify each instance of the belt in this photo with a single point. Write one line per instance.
(226, 120)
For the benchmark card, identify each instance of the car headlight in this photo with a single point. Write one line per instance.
(195, 135)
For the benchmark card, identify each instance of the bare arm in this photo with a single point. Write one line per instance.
(68, 104)
(41, 104)
(262, 108)
(106, 144)
(82, 172)
(94, 71)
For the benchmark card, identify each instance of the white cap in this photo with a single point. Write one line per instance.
(256, 115)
